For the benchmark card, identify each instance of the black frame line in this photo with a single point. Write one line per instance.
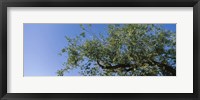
(99, 3)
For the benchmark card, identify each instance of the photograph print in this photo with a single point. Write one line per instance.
(59, 49)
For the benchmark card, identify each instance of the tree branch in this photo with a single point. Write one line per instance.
(164, 67)
(114, 67)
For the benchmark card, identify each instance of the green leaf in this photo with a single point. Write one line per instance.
(63, 50)
(90, 25)
(82, 27)
(83, 34)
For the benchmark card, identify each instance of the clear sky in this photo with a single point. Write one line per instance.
(43, 42)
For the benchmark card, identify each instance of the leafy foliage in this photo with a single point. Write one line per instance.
(126, 50)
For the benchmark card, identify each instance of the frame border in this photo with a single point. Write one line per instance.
(99, 3)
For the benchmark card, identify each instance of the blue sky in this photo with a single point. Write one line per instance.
(43, 42)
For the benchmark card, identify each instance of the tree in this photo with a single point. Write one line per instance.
(125, 50)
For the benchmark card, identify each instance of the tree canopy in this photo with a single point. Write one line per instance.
(125, 50)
